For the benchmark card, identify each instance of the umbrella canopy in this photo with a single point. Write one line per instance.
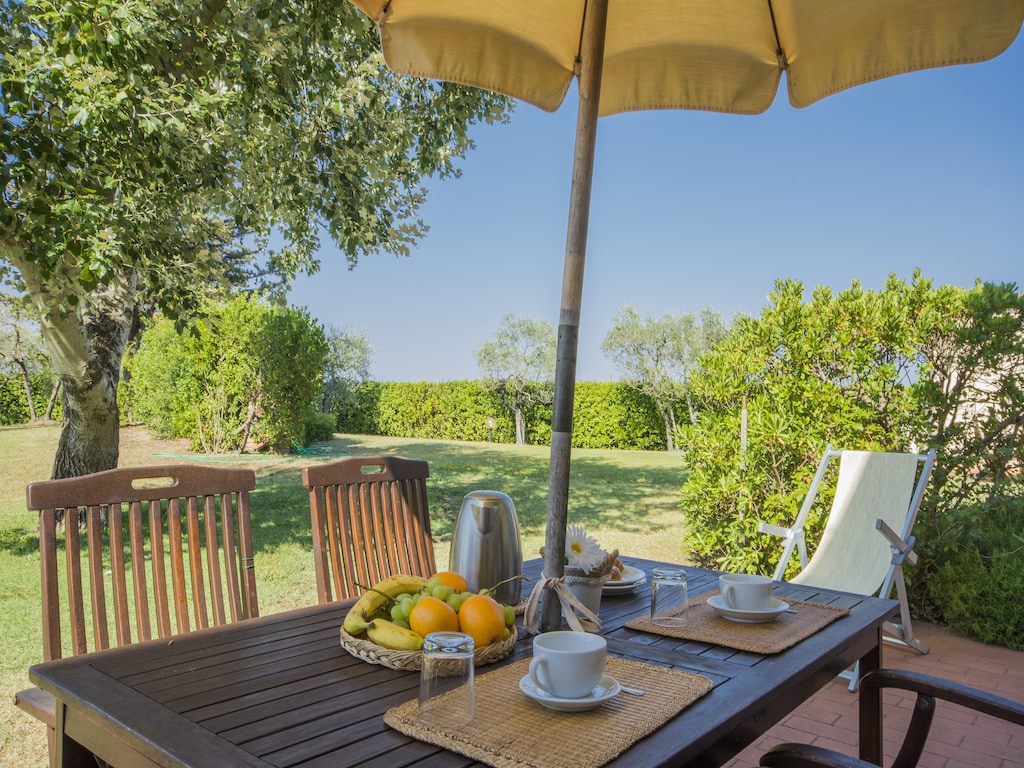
(715, 55)
(718, 55)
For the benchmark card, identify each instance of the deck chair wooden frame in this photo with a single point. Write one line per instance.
(868, 534)
(149, 552)
(370, 520)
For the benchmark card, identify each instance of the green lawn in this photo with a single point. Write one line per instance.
(628, 500)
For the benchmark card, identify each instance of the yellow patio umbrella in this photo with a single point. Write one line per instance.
(716, 55)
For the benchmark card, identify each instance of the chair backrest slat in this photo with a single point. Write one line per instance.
(370, 520)
(138, 560)
(213, 562)
(136, 542)
(156, 549)
(97, 584)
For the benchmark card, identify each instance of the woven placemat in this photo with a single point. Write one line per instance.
(706, 626)
(511, 730)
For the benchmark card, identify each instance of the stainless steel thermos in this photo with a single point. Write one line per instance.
(485, 545)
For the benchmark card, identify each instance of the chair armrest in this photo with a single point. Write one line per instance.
(955, 693)
(904, 549)
(774, 530)
(38, 703)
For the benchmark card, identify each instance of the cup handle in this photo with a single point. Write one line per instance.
(539, 673)
(728, 595)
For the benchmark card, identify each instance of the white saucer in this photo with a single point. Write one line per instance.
(778, 607)
(607, 688)
(619, 588)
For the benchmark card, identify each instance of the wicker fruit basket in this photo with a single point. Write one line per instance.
(363, 649)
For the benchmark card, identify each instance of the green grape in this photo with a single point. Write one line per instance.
(442, 592)
(510, 614)
(407, 605)
(401, 597)
(507, 634)
(403, 623)
(455, 601)
(397, 612)
(434, 582)
(466, 595)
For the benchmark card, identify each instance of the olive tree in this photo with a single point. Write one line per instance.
(519, 365)
(657, 356)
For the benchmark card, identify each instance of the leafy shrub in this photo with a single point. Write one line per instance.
(251, 372)
(907, 368)
(980, 586)
(14, 407)
(320, 428)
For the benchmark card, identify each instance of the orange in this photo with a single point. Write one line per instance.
(433, 615)
(482, 618)
(452, 579)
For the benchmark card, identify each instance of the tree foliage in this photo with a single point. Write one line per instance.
(658, 356)
(249, 377)
(155, 151)
(519, 364)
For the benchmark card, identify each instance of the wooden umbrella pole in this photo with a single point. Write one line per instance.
(592, 62)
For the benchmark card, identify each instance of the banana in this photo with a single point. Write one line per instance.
(375, 599)
(389, 635)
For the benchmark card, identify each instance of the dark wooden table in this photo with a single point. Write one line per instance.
(280, 691)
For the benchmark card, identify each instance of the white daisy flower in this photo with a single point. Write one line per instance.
(581, 550)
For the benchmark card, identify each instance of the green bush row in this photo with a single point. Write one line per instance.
(609, 415)
(14, 407)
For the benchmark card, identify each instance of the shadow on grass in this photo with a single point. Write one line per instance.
(19, 542)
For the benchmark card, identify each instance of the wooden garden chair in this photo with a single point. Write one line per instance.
(868, 533)
(928, 689)
(148, 552)
(370, 521)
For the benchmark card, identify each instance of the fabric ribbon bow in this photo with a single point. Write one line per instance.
(587, 621)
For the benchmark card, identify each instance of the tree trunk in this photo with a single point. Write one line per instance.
(52, 403)
(26, 381)
(87, 347)
(669, 446)
(520, 426)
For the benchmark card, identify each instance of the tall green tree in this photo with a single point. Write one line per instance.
(657, 356)
(154, 151)
(519, 365)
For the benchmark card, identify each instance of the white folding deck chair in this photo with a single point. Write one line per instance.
(867, 536)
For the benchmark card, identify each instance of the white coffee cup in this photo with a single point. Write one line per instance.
(568, 665)
(746, 591)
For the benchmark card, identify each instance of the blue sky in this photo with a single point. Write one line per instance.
(692, 208)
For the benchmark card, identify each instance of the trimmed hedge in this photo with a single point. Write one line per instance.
(607, 415)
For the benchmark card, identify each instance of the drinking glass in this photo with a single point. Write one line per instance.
(669, 603)
(446, 679)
